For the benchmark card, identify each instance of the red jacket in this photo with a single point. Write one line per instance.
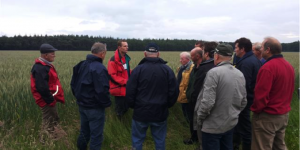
(118, 75)
(45, 84)
(274, 87)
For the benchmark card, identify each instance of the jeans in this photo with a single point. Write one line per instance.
(222, 141)
(91, 128)
(158, 131)
(121, 105)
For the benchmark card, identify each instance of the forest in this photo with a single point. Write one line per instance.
(84, 42)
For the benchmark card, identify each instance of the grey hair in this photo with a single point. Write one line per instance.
(151, 53)
(186, 54)
(257, 46)
(98, 48)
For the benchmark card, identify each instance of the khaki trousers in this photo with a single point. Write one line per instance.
(50, 118)
(268, 131)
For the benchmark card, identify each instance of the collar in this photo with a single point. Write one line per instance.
(45, 61)
(274, 56)
(248, 54)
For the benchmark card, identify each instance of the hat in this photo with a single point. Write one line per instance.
(152, 47)
(224, 50)
(47, 48)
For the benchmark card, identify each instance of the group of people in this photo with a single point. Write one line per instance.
(216, 96)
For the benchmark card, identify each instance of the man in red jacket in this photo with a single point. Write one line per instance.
(272, 98)
(47, 90)
(119, 71)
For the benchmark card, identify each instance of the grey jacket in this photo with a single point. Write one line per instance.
(221, 99)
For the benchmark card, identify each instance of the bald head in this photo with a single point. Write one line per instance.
(196, 55)
(197, 50)
(273, 44)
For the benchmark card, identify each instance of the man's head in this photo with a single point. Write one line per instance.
(48, 52)
(256, 49)
(122, 47)
(242, 46)
(99, 49)
(199, 44)
(209, 48)
(151, 50)
(223, 52)
(185, 57)
(270, 47)
(196, 55)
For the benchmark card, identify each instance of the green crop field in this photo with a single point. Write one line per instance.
(20, 117)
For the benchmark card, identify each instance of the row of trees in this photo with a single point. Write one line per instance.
(84, 42)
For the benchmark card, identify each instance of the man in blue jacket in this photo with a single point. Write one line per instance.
(151, 89)
(249, 65)
(91, 88)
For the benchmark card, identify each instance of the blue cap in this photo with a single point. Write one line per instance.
(152, 47)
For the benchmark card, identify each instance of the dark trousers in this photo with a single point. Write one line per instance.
(222, 141)
(121, 105)
(185, 109)
(242, 131)
(91, 128)
(191, 109)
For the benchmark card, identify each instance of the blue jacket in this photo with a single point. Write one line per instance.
(151, 89)
(249, 65)
(90, 83)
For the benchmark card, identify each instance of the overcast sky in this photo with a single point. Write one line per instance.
(217, 20)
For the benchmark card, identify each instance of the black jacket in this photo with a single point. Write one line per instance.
(199, 78)
(151, 89)
(249, 65)
(90, 83)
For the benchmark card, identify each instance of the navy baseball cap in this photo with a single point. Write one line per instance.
(47, 48)
(152, 47)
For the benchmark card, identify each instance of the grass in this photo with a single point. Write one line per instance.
(20, 117)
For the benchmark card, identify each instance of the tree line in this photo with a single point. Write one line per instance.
(84, 42)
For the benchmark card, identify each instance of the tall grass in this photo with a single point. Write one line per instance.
(20, 117)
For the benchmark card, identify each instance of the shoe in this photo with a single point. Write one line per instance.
(188, 142)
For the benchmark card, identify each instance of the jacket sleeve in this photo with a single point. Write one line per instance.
(198, 84)
(247, 72)
(131, 88)
(101, 86)
(173, 89)
(262, 90)
(40, 73)
(113, 72)
(75, 76)
(209, 96)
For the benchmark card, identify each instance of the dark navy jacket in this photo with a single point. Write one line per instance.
(249, 65)
(151, 89)
(90, 83)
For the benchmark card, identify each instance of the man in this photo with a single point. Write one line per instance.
(151, 89)
(196, 56)
(47, 90)
(119, 71)
(256, 49)
(205, 66)
(272, 100)
(220, 101)
(199, 44)
(91, 88)
(249, 65)
(183, 75)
